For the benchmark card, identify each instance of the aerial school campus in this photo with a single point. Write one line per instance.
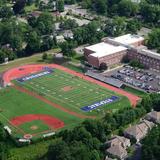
(45, 99)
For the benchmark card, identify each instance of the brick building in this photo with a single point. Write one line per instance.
(101, 53)
(148, 58)
(111, 51)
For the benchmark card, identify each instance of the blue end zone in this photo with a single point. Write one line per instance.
(36, 75)
(100, 103)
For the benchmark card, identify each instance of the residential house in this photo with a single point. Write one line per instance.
(119, 140)
(60, 39)
(117, 151)
(138, 131)
(153, 117)
(68, 34)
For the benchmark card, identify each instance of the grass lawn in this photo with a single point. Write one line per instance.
(37, 58)
(21, 61)
(135, 91)
(14, 103)
(35, 126)
(73, 92)
(30, 8)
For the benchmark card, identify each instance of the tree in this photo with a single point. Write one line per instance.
(147, 103)
(127, 8)
(151, 145)
(6, 53)
(103, 66)
(154, 39)
(33, 42)
(150, 13)
(44, 56)
(67, 48)
(116, 26)
(5, 12)
(88, 34)
(59, 151)
(3, 145)
(133, 26)
(136, 63)
(45, 24)
(19, 6)
(60, 5)
(101, 6)
(68, 24)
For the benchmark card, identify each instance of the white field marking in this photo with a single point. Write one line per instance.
(48, 90)
(42, 87)
(73, 106)
(10, 123)
(66, 98)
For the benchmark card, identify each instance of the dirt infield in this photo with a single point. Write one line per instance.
(51, 103)
(28, 69)
(47, 119)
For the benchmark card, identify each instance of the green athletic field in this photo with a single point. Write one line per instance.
(14, 103)
(68, 91)
(73, 93)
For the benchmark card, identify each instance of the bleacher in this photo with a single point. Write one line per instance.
(107, 80)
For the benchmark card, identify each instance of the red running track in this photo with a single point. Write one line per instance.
(47, 119)
(28, 69)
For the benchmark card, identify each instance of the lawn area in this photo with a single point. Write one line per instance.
(37, 58)
(31, 152)
(14, 103)
(74, 93)
(30, 8)
(35, 126)
(21, 61)
(135, 91)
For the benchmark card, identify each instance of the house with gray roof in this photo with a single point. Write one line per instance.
(138, 131)
(117, 151)
(153, 117)
(119, 140)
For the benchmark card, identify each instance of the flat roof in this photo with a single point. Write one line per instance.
(103, 49)
(150, 53)
(128, 39)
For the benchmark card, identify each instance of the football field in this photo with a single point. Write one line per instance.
(46, 99)
(73, 92)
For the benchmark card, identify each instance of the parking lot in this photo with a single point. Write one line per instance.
(148, 81)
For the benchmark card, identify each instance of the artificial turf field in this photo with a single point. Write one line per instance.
(59, 87)
(73, 92)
